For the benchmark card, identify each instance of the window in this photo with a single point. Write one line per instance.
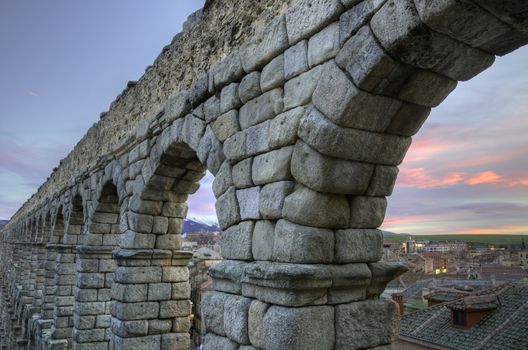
(459, 318)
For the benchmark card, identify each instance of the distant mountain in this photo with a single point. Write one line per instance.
(392, 234)
(194, 224)
(3, 223)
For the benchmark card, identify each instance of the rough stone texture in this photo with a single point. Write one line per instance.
(262, 240)
(307, 207)
(398, 27)
(326, 174)
(227, 208)
(236, 310)
(236, 241)
(296, 60)
(352, 144)
(241, 173)
(272, 198)
(307, 328)
(248, 200)
(302, 244)
(303, 21)
(358, 245)
(337, 98)
(365, 324)
(323, 45)
(272, 166)
(257, 311)
(261, 108)
(272, 74)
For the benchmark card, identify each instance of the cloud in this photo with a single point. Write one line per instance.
(506, 229)
(32, 93)
(485, 177)
(420, 178)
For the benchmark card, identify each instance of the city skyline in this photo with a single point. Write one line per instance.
(465, 172)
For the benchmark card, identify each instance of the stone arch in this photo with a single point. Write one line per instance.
(164, 170)
(96, 267)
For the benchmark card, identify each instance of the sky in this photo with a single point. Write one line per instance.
(63, 62)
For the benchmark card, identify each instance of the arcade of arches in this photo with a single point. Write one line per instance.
(303, 126)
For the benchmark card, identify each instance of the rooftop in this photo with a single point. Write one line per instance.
(504, 327)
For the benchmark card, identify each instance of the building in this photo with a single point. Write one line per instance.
(496, 318)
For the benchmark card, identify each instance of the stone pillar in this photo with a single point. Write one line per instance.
(94, 277)
(152, 300)
(62, 329)
(49, 282)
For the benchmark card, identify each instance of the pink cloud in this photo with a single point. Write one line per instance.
(516, 183)
(420, 178)
(493, 230)
(404, 219)
(484, 177)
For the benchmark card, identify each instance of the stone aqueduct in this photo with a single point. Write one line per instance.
(303, 121)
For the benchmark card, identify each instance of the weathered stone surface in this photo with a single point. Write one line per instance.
(352, 144)
(408, 120)
(262, 240)
(344, 104)
(242, 173)
(170, 341)
(257, 310)
(272, 198)
(143, 274)
(302, 244)
(248, 201)
(365, 324)
(372, 69)
(383, 181)
(323, 45)
(326, 174)
(236, 241)
(229, 98)
(306, 328)
(236, 310)
(227, 276)
(382, 274)
(266, 45)
(235, 147)
(367, 212)
(283, 128)
(174, 308)
(212, 109)
(398, 27)
(177, 106)
(291, 285)
(264, 107)
(349, 283)
(358, 245)
(135, 311)
(214, 342)
(310, 208)
(462, 20)
(356, 17)
(257, 139)
(249, 87)
(298, 91)
(227, 70)
(213, 312)
(272, 75)
(272, 166)
(296, 60)
(223, 180)
(227, 209)
(308, 17)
